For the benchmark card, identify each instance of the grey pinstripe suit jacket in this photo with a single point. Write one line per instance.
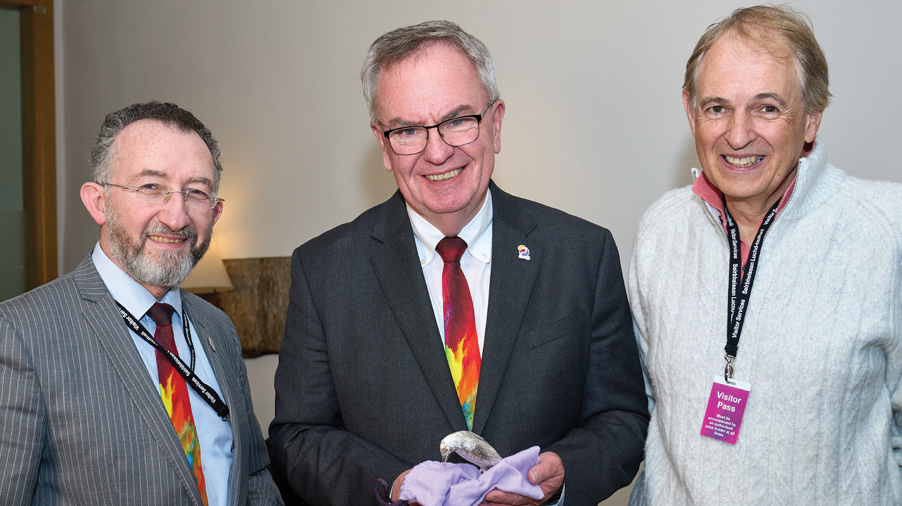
(80, 420)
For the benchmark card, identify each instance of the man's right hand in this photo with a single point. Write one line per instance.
(396, 488)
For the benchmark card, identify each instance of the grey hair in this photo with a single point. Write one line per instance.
(101, 157)
(398, 44)
(775, 28)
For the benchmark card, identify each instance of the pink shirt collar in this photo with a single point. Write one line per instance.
(705, 189)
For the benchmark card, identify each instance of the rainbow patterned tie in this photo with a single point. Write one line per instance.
(174, 392)
(461, 343)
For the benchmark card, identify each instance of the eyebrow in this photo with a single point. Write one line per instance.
(776, 97)
(460, 110)
(157, 173)
(203, 180)
(151, 172)
(773, 96)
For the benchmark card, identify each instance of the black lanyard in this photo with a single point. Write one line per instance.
(207, 394)
(739, 302)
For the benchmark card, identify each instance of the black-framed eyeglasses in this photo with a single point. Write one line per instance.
(410, 140)
(156, 194)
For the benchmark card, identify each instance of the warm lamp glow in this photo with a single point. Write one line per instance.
(209, 275)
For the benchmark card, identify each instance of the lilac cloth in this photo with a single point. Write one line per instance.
(446, 484)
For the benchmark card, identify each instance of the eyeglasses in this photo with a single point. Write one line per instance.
(410, 140)
(156, 194)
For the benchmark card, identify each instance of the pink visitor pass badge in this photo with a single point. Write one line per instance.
(726, 405)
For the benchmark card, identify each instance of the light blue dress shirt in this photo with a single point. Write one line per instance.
(214, 434)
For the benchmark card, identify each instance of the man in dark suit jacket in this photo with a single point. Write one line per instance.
(364, 389)
(82, 417)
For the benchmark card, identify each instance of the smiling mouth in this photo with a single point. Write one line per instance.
(445, 176)
(743, 162)
(165, 240)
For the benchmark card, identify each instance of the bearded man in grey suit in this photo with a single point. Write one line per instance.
(364, 389)
(93, 408)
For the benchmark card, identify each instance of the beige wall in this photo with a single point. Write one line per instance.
(594, 122)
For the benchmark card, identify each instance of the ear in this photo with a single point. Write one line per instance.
(814, 123)
(217, 212)
(690, 111)
(93, 196)
(383, 143)
(497, 116)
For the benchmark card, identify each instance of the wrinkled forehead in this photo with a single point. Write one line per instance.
(151, 147)
(754, 39)
(427, 86)
(766, 43)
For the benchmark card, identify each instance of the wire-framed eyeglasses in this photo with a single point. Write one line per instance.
(157, 194)
(412, 139)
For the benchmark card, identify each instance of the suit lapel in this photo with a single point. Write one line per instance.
(399, 273)
(207, 332)
(510, 287)
(116, 341)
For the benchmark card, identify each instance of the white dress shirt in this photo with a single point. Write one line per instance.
(476, 263)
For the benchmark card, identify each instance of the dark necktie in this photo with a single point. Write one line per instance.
(174, 392)
(461, 343)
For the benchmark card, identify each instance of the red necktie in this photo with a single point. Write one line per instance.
(461, 343)
(174, 392)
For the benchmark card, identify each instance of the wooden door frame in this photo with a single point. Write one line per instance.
(38, 139)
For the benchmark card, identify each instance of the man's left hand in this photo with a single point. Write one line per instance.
(548, 474)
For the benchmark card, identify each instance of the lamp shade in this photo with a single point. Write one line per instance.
(209, 275)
